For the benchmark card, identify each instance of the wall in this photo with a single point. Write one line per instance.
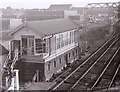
(61, 52)
(27, 70)
(6, 44)
(2, 60)
(68, 13)
(59, 41)
(15, 22)
(59, 67)
(24, 31)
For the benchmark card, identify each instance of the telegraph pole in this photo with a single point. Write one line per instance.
(118, 10)
(84, 46)
(118, 16)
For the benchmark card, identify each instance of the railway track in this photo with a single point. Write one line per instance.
(85, 76)
(106, 78)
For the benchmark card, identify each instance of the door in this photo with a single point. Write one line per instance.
(30, 50)
(24, 46)
(66, 58)
(27, 45)
(15, 48)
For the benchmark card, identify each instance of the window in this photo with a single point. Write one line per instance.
(48, 67)
(52, 42)
(66, 38)
(54, 63)
(72, 36)
(58, 41)
(43, 46)
(73, 53)
(69, 55)
(12, 46)
(60, 60)
(24, 46)
(69, 37)
(30, 47)
(61, 40)
(76, 52)
(40, 46)
(65, 57)
(47, 45)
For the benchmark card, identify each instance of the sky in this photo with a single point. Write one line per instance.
(29, 4)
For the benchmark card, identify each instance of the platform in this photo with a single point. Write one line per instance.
(40, 86)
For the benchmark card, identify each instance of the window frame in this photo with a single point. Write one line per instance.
(60, 61)
(54, 63)
(41, 48)
(48, 67)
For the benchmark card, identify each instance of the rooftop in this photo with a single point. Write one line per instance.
(3, 50)
(60, 7)
(49, 27)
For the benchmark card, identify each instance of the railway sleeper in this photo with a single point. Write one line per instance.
(76, 75)
(80, 86)
(117, 82)
(96, 67)
(96, 70)
(70, 81)
(90, 84)
(85, 85)
(103, 83)
(117, 57)
(99, 89)
(59, 80)
(109, 72)
(74, 64)
(105, 76)
(65, 75)
(91, 76)
(65, 86)
(81, 69)
(85, 65)
(113, 49)
(105, 58)
(86, 81)
(99, 65)
(73, 68)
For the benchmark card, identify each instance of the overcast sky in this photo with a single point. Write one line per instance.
(46, 3)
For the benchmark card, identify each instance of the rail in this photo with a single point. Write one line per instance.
(113, 78)
(93, 64)
(104, 69)
(84, 63)
(7, 59)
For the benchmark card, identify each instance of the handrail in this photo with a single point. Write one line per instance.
(6, 61)
(8, 57)
(11, 66)
(14, 59)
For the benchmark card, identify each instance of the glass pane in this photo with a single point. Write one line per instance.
(24, 46)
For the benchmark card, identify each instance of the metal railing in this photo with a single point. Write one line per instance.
(10, 68)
